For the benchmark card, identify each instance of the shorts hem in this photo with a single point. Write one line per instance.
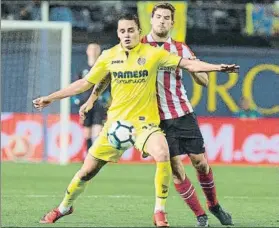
(148, 138)
(186, 153)
(99, 158)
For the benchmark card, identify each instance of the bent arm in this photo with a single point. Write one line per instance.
(200, 78)
(99, 89)
(74, 88)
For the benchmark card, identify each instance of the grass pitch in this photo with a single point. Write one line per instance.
(123, 196)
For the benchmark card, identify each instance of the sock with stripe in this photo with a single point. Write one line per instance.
(162, 182)
(75, 188)
(188, 194)
(208, 187)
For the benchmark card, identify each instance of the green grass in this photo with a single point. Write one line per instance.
(123, 196)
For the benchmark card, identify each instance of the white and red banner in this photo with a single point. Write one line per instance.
(227, 140)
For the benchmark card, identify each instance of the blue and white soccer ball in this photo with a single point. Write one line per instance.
(121, 135)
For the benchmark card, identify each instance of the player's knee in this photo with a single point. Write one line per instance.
(90, 168)
(178, 176)
(178, 172)
(201, 166)
(161, 153)
(86, 174)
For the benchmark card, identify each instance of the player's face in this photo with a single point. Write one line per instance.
(162, 22)
(128, 33)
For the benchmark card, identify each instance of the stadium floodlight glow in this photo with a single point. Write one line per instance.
(64, 42)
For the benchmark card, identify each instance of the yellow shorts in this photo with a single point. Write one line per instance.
(102, 149)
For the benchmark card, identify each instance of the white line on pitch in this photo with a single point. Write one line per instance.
(133, 196)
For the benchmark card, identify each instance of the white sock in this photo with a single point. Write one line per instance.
(158, 206)
(63, 210)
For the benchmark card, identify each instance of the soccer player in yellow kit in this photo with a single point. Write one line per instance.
(133, 69)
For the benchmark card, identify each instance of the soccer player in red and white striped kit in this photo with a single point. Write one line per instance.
(178, 120)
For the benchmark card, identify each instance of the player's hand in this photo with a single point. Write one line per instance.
(233, 68)
(41, 102)
(84, 109)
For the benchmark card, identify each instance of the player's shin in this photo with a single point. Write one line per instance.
(75, 188)
(162, 182)
(187, 192)
(208, 186)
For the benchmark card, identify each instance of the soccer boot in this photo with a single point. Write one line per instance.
(54, 215)
(160, 219)
(202, 221)
(224, 217)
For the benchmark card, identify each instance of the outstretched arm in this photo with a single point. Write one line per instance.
(94, 76)
(74, 88)
(196, 67)
(200, 66)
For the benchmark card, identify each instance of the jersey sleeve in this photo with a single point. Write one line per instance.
(167, 59)
(99, 70)
(187, 52)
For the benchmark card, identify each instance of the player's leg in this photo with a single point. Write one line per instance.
(206, 179)
(174, 129)
(157, 147)
(155, 144)
(194, 146)
(99, 154)
(89, 169)
(187, 191)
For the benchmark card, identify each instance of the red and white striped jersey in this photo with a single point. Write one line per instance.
(171, 94)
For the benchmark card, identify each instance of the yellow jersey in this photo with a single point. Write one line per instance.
(133, 80)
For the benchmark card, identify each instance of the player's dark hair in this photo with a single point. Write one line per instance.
(164, 5)
(130, 17)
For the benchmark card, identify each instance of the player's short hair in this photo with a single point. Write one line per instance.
(130, 17)
(164, 5)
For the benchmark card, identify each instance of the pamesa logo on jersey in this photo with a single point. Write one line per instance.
(126, 77)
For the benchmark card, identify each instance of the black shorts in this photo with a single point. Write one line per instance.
(96, 115)
(183, 135)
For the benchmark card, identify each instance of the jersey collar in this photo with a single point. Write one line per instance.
(150, 39)
(135, 49)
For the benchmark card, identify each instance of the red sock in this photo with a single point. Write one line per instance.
(188, 194)
(208, 187)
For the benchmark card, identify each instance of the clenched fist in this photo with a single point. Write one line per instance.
(41, 102)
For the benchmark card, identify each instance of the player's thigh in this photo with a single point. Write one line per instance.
(172, 136)
(152, 141)
(198, 160)
(87, 131)
(183, 135)
(96, 130)
(101, 148)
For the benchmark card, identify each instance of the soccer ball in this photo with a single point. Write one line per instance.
(121, 135)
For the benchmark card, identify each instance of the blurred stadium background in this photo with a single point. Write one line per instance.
(43, 45)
